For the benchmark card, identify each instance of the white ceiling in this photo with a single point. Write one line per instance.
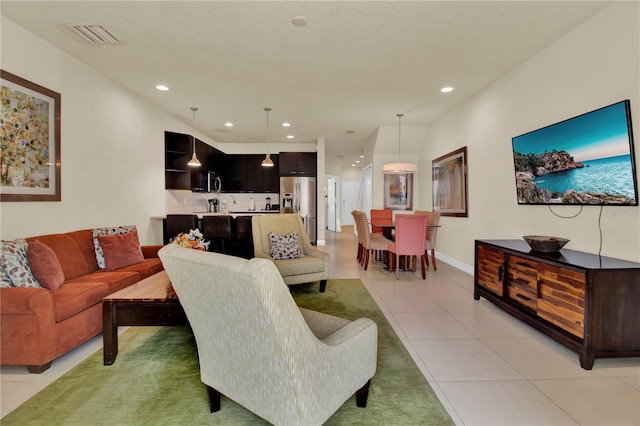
(353, 67)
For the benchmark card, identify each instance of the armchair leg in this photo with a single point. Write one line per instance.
(323, 285)
(362, 394)
(214, 399)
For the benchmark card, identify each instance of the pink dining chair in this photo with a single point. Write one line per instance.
(411, 233)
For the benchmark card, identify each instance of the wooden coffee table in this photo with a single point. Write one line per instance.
(151, 301)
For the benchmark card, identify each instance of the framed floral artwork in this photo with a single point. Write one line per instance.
(29, 141)
(449, 180)
(398, 191)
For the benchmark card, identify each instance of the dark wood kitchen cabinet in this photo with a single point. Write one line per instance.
(298, 164)
(244, 173)
(586, 302)
(178, 152)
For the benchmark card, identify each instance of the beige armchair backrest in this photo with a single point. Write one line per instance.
(278, 224)
(257, 348)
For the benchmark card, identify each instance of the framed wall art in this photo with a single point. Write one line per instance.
(398, 191)
(30, 141)
(449, 179)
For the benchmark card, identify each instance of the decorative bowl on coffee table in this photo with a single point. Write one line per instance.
(545, 244)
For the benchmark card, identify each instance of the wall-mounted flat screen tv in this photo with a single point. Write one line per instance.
(585, 160)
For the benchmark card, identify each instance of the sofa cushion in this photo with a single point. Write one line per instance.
(69, 254)
(121, 250)
(147, 268)
(115, 280)
(15, 263)
(75, 297)
(300, 266)
(285, 246)
(114, 230)
(84, 240)
(45, 266)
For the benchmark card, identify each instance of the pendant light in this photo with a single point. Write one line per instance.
(399, 168)
(194, 162)
(267, 162)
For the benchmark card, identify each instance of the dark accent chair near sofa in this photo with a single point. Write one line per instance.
(38, 325)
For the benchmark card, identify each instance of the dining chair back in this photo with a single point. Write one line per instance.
(368, 240)
(411, 233)
(379, 214)
(433, 220)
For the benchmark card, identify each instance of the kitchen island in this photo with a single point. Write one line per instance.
(241, 241)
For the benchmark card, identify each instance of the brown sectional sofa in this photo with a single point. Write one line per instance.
(37, 326)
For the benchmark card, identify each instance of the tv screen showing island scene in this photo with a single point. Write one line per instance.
(585, 160)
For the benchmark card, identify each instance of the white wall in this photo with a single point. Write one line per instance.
(595, 65)
(112, 152)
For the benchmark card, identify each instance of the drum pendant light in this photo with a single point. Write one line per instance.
(399, 168)
(267, 162)
(194, 162)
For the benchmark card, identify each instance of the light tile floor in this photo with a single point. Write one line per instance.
(486, 367)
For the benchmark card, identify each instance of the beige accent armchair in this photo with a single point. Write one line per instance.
(288, 365)
(314, 266)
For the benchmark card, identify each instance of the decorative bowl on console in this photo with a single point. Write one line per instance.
(545, 244)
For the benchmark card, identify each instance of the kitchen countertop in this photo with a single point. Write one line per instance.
(233, 214)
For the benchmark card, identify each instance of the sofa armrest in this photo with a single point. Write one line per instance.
(25, 300)
(151, 251)
(27, 326)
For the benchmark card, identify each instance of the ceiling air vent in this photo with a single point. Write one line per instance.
(94, 33)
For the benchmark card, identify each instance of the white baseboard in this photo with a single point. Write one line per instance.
(321, 243)
(455, 263)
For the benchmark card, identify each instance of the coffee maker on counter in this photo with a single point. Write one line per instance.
(213, 205)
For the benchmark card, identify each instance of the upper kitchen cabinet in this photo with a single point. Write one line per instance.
(271, 175)
(177, 152)
(298, 164)
(244, 173)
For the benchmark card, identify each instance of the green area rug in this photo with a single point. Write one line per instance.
(155, 379)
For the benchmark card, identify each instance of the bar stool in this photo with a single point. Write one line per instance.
(217, 228)
(244, 237)
(177, 223)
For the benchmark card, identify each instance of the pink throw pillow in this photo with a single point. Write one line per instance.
(121, 250)
(45, 266)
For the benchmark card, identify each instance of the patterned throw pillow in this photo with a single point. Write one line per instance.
(107, 231)
(15, 264)
(5, 281)
(285, 246)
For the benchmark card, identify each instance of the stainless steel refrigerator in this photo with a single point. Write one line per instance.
(298, 195)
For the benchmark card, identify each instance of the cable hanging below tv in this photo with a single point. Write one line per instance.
(585, 160)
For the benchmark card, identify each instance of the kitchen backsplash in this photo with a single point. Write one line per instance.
(182, 201)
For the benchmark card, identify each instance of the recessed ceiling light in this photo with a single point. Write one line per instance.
(357, 161)
(353, 165)
(286, 124)
(162, 87)
(362, 156)
(228, 124)
(446, 89)
(289, 136)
